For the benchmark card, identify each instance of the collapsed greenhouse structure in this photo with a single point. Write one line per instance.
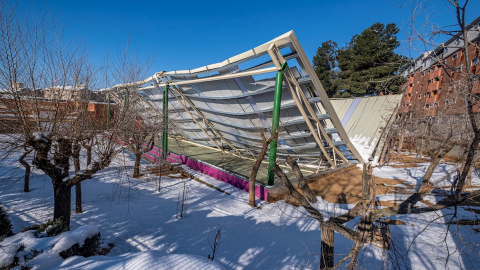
(216, 115)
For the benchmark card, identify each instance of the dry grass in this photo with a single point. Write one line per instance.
(346, 186)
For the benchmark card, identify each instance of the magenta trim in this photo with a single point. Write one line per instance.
(155, 154)
(260, 191)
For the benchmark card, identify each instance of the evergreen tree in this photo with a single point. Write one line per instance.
(367, 65)
(325, 64)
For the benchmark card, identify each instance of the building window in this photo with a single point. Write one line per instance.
(455, 56)
(459, 69)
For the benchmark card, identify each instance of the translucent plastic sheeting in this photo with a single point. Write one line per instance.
(231, 113)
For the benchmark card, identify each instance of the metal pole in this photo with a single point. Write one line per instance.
(165, 123)
(108, 109)
(272, 157)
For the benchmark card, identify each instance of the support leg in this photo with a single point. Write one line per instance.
(272, 157)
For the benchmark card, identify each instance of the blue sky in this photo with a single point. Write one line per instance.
(189, 34)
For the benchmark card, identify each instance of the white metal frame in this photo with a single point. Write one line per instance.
(289, 39)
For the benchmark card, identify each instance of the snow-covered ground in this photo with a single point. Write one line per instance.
(364, 146)
(145, 227)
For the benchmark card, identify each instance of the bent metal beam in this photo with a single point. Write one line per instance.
(215, 88)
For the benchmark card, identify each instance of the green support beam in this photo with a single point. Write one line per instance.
(272, 157)
(165, 123)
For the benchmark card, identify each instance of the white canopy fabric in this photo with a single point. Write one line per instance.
(227, 105)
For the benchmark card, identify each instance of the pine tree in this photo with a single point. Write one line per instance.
(325, 64)
(369, 64)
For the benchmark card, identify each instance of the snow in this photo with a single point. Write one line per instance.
(145, 228)
(10, 245)
(363, 146)
(152, 259)
(41, 136)
(51, 259)
(443, 176)
(68, 239)
(54, 245)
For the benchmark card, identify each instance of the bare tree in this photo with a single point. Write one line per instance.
(36, 62)
(140, 138)
(139, 131)
(467, 81)
(256, 166)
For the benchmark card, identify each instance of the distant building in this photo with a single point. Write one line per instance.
(64, 92)
(434, 79)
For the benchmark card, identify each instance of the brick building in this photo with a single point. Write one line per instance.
(435, 79)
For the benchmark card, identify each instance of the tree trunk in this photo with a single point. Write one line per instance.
(78, 187)
(366, 179)
(469, 160)
(354, 254)
(62, 203)
(386, 148)
(256, 166)
(89, 155)
(251, 191)
(302, 183)
(428, 174)
(26, 183)
(327, 236)
(136, 167)
(400, 141)
(76, 163)
(468, 182)
(78, 198)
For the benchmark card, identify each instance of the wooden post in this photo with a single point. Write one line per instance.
(327, 237)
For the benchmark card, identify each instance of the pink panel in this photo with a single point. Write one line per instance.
(154, 155)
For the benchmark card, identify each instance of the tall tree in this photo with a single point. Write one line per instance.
(369, 64)
(35, 59)
(325, 64)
